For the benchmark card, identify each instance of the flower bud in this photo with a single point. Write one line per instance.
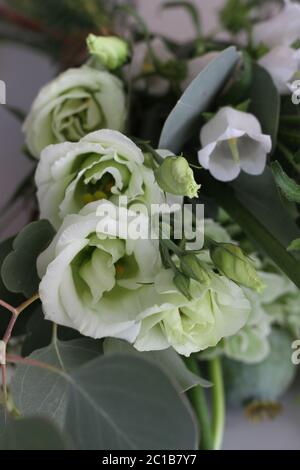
(234, 264)
(192, 267)
(112, 51)
(183, 285)
(175, 176)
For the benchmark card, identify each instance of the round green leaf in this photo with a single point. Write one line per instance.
(19, 272)
(42, 391)
(122, 402)
(32, 434)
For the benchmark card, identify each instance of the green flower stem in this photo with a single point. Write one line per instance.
(198, 399)
(218, 403)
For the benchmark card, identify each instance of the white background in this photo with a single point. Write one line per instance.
(24, 74)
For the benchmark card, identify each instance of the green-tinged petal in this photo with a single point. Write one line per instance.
(99, 274)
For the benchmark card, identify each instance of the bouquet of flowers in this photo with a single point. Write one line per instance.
(157, 281)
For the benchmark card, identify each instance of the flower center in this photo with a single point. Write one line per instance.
(233, 145)
(100, 190)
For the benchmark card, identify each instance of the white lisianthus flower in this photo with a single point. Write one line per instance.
(76, 103)
(142, 64)
(233, 141)
(103, 165)
(217, 310)
(97, 277)
(282, 29)
(251, 344)
(282, 63)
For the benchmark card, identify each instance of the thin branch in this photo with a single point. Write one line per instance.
(12, 359)
(27, 303)
(8, 307)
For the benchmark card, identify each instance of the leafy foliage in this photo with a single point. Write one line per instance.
(36, 390)
(101, 397)
(170, 362)
(235, 15)
(20, 328)
(186, 115)
(289, 188)
(107, 393)
(56, 27)
(19, 271)
(32, 434)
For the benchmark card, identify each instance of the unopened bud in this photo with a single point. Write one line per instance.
(113, 52)
(234, 264)
(175, 176)
(183, 285)
(192, 267)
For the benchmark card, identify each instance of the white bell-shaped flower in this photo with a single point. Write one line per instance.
(232, 141)
(282, 29)
(282, 63)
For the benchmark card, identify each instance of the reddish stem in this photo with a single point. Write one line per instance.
(15, 313)
(31, 362)
(10, 328)
(8, 307)
(20, 20)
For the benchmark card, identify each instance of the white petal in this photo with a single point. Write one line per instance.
(282, 29)
(282, 63)
(220, 164)
(119, 142)
(253, 155)
(224, 121)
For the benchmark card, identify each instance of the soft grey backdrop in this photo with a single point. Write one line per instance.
(24, 73)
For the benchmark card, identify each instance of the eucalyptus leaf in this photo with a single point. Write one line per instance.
(39, 332)
(170, 362)
(6, 247)
(183, 120)
(33, 434)
(123, 402)
(41, 391)
(289, 188)
(19, 272)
